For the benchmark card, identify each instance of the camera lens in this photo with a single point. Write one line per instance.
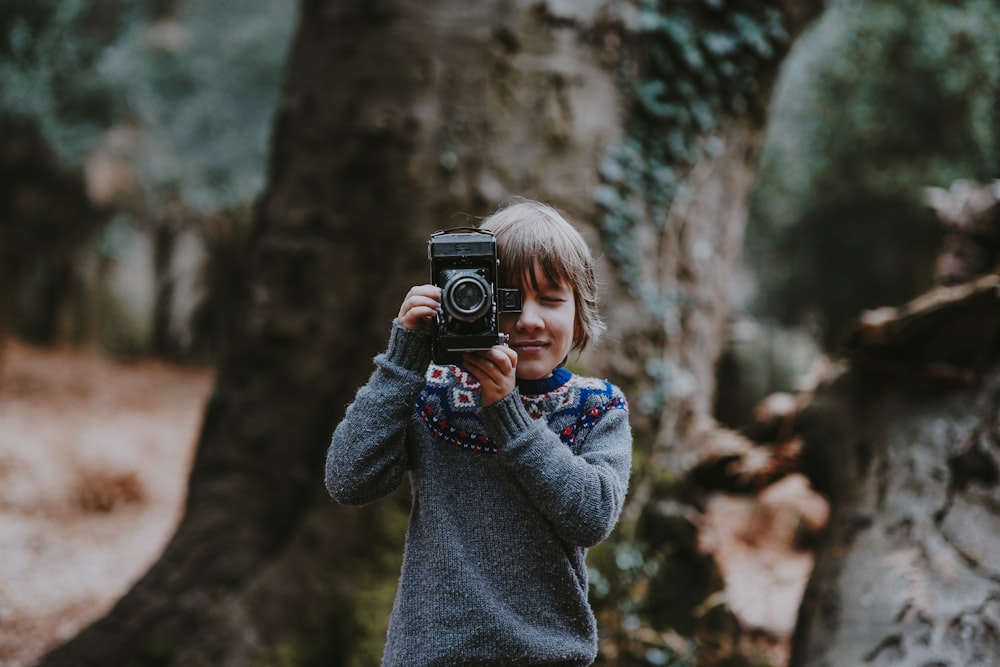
(466, 298)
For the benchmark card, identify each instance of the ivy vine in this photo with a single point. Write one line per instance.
(688, 66)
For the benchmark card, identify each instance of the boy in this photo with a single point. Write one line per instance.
(517, 465)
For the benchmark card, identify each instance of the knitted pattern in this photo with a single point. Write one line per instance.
(506, 499)
(449, 406)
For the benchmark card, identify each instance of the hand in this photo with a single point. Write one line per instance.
(495, 369)
(420, 307)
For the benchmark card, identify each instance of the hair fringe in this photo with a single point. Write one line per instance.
(528, 231)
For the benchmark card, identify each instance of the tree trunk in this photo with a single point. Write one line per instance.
(906, 444)
(684, 233)
(674, 201)
(696, 258)
(45, 217)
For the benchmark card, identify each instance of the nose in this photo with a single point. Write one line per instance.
(530, 316)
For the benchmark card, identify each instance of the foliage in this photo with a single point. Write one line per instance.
(692, 64)
(198, 81)
(878, 100)
(49, 52)
(165, 107)
(202, 86)
(687, 68)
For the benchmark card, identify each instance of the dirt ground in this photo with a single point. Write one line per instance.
(94, 456)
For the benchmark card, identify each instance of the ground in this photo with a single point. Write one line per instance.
(94, 457)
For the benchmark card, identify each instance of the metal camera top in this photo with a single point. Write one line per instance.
(459, 242)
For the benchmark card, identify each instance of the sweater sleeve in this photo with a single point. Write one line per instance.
(367, 455)
(581, 494)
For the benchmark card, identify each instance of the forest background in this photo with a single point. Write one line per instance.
(754, 180)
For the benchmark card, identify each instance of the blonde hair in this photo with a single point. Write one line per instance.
(528, 231)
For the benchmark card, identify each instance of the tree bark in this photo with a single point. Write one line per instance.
(697, 257)
(682, 243)
(906, 444)
(692, 256)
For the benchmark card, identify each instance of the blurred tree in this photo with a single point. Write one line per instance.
(699, 79)
(905, 441)
(51, 97)
(201, 74)
(879, 100)
(970, 218)
(165, 70)
(166, 116)
(44, 212)
(49, 69)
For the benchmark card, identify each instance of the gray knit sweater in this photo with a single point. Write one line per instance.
(506, 500)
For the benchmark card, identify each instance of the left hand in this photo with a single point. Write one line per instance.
(495, 369)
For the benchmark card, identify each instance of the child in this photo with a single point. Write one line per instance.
(516, 464)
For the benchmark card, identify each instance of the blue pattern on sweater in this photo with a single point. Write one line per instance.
(449, 405)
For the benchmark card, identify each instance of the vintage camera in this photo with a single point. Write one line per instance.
(464, 265)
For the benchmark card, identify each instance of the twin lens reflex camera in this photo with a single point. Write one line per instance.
(464, 264)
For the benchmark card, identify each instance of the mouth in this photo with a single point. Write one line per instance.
(529, 346)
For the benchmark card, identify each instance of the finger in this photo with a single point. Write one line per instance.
(421, 302)
(508, 353)
(423, 293)
(420, 312)
(427, 291)
(501, 362)
(416, 306)
(475, 362)
(500, 359)
(484, 370)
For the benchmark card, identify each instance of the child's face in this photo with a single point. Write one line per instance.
(543, 332)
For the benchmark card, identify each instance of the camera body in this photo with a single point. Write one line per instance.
(464, 264)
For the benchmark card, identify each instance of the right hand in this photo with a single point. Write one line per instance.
(420, 307)
(496, 370)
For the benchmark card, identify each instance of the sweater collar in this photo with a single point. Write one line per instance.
(558, 378)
